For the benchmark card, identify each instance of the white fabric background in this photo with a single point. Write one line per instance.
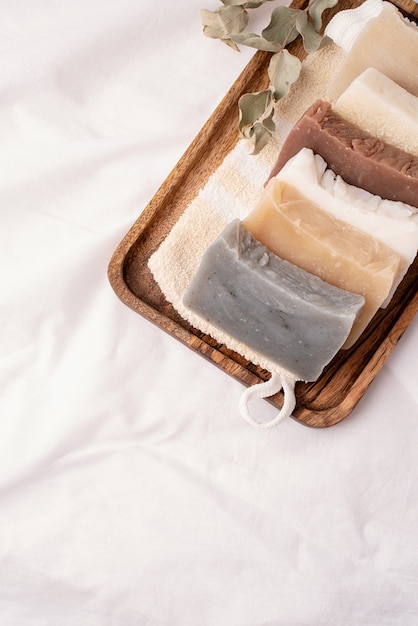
(131, 492)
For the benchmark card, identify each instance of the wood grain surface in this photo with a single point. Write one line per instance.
(345, 380)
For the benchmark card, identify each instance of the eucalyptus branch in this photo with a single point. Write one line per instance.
(228, 24)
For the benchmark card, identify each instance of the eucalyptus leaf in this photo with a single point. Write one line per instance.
(316, 8)
(284, 69)
(255, 41)
(282, 26)
(224, 22)
(254, 107)
(268, 122)
(228, 23)
(255, 4)
(256, 118)
(260, 138)
(312, 40)
(244, 3)
(234, 3)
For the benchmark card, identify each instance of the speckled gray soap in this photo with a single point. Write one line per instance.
(282, 312)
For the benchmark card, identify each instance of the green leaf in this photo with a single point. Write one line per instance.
(255, 41)
(261, 137)
(282, 27)
(284, 69)
(228, 24)
(224, 22)
(245, 3)
(254, 107)
(312, 40)
(256, 118)
(316, 8)
(255, 4)
(234, 3)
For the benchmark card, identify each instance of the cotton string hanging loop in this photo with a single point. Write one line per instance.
(265, 390)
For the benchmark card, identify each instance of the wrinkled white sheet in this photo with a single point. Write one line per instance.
(131, 492)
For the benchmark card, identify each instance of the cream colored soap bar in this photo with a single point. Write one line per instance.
(381, 107)
(395, 224)
(388, 43)
(299, 231)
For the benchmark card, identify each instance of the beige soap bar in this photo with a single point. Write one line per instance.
(381, 107)
(388, 43)
(299, 231)
(395, 224)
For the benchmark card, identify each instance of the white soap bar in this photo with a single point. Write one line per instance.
(380, 106)
(394, 224)
(387, 42)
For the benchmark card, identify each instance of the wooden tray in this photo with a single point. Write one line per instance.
(344, 381)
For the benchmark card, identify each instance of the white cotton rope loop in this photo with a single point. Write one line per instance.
(265, 390)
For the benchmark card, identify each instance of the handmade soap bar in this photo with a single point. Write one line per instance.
(284, 313)
(300, 232)
(395, 224)
(387, 42)
(359, 158)
(381, 107)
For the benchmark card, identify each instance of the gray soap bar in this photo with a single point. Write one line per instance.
(282, 312)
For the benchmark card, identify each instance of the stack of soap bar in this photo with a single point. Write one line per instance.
(281, 311)
(301, 232)
(393, 223)
(359, 158)
(387, 42)
(381, 107)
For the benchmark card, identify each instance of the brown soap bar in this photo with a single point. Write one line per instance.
(359, 158)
